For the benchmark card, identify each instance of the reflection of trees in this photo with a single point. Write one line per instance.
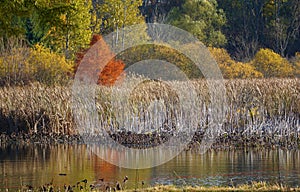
(111, 173)
(236, 165)
(277, 164)
(37, 165)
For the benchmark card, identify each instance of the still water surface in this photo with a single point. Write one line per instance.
(35, 165)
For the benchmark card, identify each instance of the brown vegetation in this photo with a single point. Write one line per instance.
(264, 112)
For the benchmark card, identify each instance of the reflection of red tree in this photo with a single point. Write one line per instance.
(104, 169)
(111, 71)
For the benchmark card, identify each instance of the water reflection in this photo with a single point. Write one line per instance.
(37, 165)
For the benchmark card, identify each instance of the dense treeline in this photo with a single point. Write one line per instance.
(249, 26)
(40, 39)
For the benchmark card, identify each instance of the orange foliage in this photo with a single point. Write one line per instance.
(111, 71)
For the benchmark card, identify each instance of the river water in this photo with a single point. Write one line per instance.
(67, 164)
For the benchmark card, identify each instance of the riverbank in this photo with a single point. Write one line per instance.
(223, 142)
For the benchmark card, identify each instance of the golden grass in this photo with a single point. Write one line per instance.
(260, 107)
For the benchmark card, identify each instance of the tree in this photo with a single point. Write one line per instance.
(296, 64)
(116, 14)
(202, 18)
(245, 27)
(157, 11)
(271, 64)
(110, 73)
(261, 23)
(283, 24)
(63, 26)
(13, 15)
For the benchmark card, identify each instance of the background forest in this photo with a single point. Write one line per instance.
(41, 40)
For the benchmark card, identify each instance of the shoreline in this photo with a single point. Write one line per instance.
(254, 186)
(223, 142)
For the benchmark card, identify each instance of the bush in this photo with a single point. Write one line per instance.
(14, 66)
(271, 64)
(49, 67)
(241, 71)
(163, 53)
(232, 69)
(21, 65)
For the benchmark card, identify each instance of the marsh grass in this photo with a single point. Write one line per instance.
(36, 108)
(263, 112)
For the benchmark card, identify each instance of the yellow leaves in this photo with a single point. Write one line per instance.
(241, 70)
(63, 17)
(23, 65)
(266, 63)
(49, 67)
(221, 56)
(271, 64)
(232, 69)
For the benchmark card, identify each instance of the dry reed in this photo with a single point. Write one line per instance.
(265, 110)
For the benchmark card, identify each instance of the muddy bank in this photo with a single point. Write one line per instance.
(38, 138)
(141, 141)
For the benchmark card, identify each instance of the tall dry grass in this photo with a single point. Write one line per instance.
(36, 108)
(268, 109)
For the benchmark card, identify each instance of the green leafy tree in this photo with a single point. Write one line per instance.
(63, 26)
(13, 14)
(116, 14)
(202, 18)
(157, 11)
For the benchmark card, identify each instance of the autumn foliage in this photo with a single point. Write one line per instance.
(232, 69)
(271, 64)
(111, 71)
(265, 64)
(20, 65)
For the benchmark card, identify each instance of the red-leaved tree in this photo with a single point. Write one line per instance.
(111, 71)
